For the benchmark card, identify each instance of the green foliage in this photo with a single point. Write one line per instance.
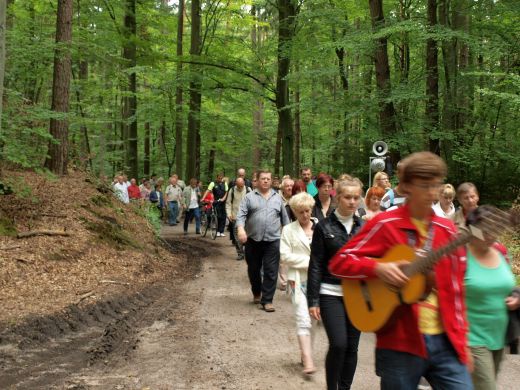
(153, 217)
(7, 228)
(477, 129)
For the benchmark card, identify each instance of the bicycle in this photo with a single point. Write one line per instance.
(213, 222)
(208, 221)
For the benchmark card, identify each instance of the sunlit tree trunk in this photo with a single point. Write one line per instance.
(57, 158)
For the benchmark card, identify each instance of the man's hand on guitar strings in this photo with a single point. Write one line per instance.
(392, 274)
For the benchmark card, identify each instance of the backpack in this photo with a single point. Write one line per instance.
(248, 190)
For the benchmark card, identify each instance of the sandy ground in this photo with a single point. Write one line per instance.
(200, 333)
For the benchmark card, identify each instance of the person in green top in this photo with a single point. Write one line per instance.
(489, 282)
(306, 175)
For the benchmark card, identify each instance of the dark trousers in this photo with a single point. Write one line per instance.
(233, 234)
(220, 208)
(266, 255)
(341, 361)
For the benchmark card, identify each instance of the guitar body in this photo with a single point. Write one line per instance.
(370, 303)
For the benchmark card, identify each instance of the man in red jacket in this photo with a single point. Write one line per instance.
(428, 338)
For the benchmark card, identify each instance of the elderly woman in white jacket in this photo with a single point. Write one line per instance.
(295, 251)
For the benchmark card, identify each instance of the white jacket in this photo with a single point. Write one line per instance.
(295, 252)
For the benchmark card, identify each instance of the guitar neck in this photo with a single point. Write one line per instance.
(426, 263)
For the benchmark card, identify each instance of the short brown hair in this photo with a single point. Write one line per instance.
(422, 165)
(263, 172)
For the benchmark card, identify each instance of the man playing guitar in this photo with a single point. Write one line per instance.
(425, 339)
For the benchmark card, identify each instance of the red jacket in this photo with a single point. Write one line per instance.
(374, 240)
(134, 192)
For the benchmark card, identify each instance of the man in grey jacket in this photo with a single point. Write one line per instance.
(259, 224)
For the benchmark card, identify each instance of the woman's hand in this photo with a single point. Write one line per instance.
(314, 312)
(513, 302)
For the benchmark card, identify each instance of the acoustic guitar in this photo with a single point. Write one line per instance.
(371, 303)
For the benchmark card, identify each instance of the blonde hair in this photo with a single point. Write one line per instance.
(447, 190)
(377, 176)
(301, 200)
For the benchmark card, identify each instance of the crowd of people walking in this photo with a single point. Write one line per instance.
(308, 234)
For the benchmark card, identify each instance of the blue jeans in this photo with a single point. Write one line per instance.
(172, 214)
(442, 369)
(189, 215)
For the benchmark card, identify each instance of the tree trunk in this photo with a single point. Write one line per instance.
(130, 98)
(258, 105)
(178, 94)
(432, 81)
(195, 92)
(3, 11)
(146, 163)
(277, 150)
(387, 116)
(297, 130)
(214, 136)
(286, 21)
(449, 49)
(57, 158)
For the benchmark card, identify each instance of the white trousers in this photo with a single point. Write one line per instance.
(301, 311)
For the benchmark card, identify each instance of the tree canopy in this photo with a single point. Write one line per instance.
(279, 84)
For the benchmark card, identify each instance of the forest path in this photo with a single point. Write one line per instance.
(200, 331)
(216, 338)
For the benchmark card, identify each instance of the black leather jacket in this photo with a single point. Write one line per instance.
(329, 236)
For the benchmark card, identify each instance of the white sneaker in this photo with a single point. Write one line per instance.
(218, 234)
(222, 235)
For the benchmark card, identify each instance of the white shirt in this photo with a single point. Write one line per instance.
(194, 202)
(437, 209)
(347, 221)
(121, 190)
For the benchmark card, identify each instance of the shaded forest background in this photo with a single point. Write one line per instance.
(157, 86)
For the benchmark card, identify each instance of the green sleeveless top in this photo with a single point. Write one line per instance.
(486, 291)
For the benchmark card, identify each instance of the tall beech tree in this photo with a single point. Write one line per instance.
(179, 92)
(432, 80)
(387, 115)
(195, 92)
(287, 11)
(130, 93)
(58, 157)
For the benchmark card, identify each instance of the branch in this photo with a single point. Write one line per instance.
(220, 85)
(227, 67)
(42, 233)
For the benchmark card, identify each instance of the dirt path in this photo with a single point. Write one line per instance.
(197, 332)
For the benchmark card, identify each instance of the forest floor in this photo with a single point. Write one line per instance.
(81, 313)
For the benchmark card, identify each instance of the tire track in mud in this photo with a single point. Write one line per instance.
(42, 352)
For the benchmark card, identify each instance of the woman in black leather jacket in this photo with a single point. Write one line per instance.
(324, 293)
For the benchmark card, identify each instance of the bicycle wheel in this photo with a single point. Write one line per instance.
(203, 224)
(213, 225)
